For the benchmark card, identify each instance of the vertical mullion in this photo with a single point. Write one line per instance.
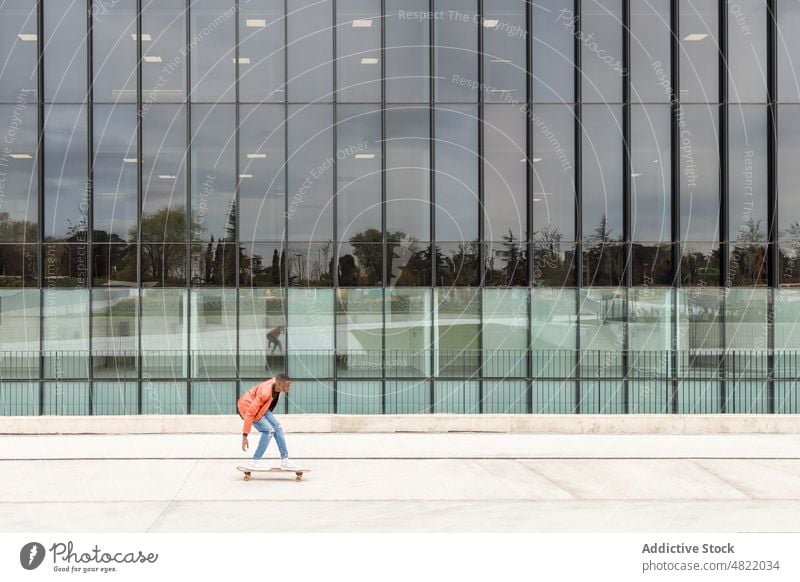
(40, 196)
(188, 198)
(434, 252)
(385, 272)
(139, 198)
(529, 200)
(773, 250)
(578, 139)
(90, 190)
(675, 112)
(723, 189)
(283, 263)
(335, 170)
(236, 195)
(626, 195)
(482, 251)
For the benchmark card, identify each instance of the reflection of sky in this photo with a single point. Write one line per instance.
(700, 194)
(164, 145)
(358, 179)
(504, 173)
(65, 51)
(310, 65)
(17, 57)
(408, 172)
(650, 173)
(212, 59)
(65, 169)
(553, 188)
(602, 169)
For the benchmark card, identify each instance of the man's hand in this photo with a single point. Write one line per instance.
(245, 444)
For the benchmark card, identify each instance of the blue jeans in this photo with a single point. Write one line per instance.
(267, 425)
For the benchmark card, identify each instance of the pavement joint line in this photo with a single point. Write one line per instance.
(165, 509)
(738, 487)
(467, 500)
(429, 458)
(555, 484)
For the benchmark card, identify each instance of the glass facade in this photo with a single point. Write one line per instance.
(410, 206)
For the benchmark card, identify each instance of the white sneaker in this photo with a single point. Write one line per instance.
(287, 464)
(259, 464)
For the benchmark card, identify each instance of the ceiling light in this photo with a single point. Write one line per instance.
(21, 156)
(130, 160)
(369, 61)
(110, 194)
(364, 156)
(500, 61)
(536, 159)
(695, 36)
(242, 176)
(636, 175)
(537, 199)
(542, 193)
(256, 22)
(257, 156)
(242, 60)
(167, 177)
(152, 59)
(362, 23)
(27, 36)
(145, 37)
(655, 161)
(488, 23)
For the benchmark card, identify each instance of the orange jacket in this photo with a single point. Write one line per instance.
(254, 403)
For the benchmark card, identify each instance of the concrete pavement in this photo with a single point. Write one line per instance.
(404, 482)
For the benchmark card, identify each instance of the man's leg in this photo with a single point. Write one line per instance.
(278, 434)
(265, 428)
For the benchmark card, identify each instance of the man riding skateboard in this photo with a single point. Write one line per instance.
(255, 407)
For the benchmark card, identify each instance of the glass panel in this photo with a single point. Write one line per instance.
(602, 173)
(652, 264)
(788, 45)
(213, 397)
(359, 333)
(504, 48)
(163, 56)
(115, 333)
(164, 341)
(456, 50)
(66, 195)
(164, 397)
(163, 265)
(114, 172)
(554, 27)
(65, 51)
(19, 342)
(505, 333)
(359, 397)
(310, 397)
(786, 324)
(66, 398)
(407, 175)
(747, 339)
(358, 173)
(164, 174)
(408, 264)
(505, 397)
(311, 265)
(553, 186)
(458, 264)
(649, 396)
(456, 397)
(66, 265)
(261, 40)
(699, 183)
(310, 190)
(457, 332)
(65, 333)
(262, 332)
(114, 398)
(602, 317)
(554, 332)
(213, 173)
(698, 397)
(788, 130)
(700, 264)
(602, 397)
(747, 51)
(310, 41)
(649, 333)
(310, 333)
(699, 48)
(651, 190)
(554, 265)
(261, 265)
(407, 332)
(457, 198)
(213, 265)
(554, 397)
(603, 265)
(18, 51)
(601, 51)
(114, 265)
(408, 396)
(504, 174)
(19, 399)
(358, 47)
(213, 24)
(650, 51)
(360, 264)
(213, 336)
(407, 53)
(262, 179)
(114, 51)
(506, 264)
(19, 189)
(700, 338)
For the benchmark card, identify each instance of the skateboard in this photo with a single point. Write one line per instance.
(298, 473)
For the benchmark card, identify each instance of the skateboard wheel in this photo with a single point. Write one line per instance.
(247, 476)
(298, 476)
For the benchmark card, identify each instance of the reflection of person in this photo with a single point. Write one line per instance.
(255, 407)
(274, 339)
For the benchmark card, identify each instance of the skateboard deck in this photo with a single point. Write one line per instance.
(248, 472)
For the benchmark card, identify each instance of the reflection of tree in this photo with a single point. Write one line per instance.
(698, 267)
(604, 258)
(16, 230)
(749, 254)
(17, 261)
(789, 254)
(461, 266)
(514, 263)
(368, 250)
(217, 265)
(162, 263)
